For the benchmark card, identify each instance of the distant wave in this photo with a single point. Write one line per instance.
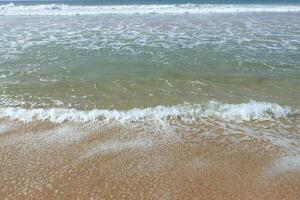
(237, 112)
(62, 9)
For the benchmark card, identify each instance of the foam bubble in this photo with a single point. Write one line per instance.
(240, 112)
(61, 9)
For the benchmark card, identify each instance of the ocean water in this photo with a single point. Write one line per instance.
(98, 60)
(159, 69)
(90, 61)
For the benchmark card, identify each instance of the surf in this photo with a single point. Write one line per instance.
(64, 9)
(252, 110)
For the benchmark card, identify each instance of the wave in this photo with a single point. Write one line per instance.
(62, 9)
(238, 112)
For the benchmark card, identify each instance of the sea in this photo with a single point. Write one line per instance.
(158, 79)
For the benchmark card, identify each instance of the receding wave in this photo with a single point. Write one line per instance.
(62, 9)
(238, 112)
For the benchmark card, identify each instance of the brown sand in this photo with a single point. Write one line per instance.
(48, 161)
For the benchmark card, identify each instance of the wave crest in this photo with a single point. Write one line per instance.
(238, 112)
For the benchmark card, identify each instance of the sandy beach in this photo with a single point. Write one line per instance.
(47, 161)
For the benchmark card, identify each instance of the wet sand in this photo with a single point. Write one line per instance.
(92, 161)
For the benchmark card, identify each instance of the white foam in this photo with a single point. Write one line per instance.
(5, 127)
(61, 9)
(248, 111)
(63, 135)
(241, 112)
(117, 146)
(284, 164)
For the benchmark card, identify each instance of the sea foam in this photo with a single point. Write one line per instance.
(238, 112)
(62, 9)
(284, 164)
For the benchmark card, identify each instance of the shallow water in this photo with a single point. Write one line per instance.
(129, 61)
(176, 102)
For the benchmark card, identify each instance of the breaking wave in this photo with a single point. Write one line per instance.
(62, 9)
(237, 112)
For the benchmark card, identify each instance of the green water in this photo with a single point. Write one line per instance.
(129, 61)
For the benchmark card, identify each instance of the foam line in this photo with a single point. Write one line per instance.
(62, 9)
(240, 112)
